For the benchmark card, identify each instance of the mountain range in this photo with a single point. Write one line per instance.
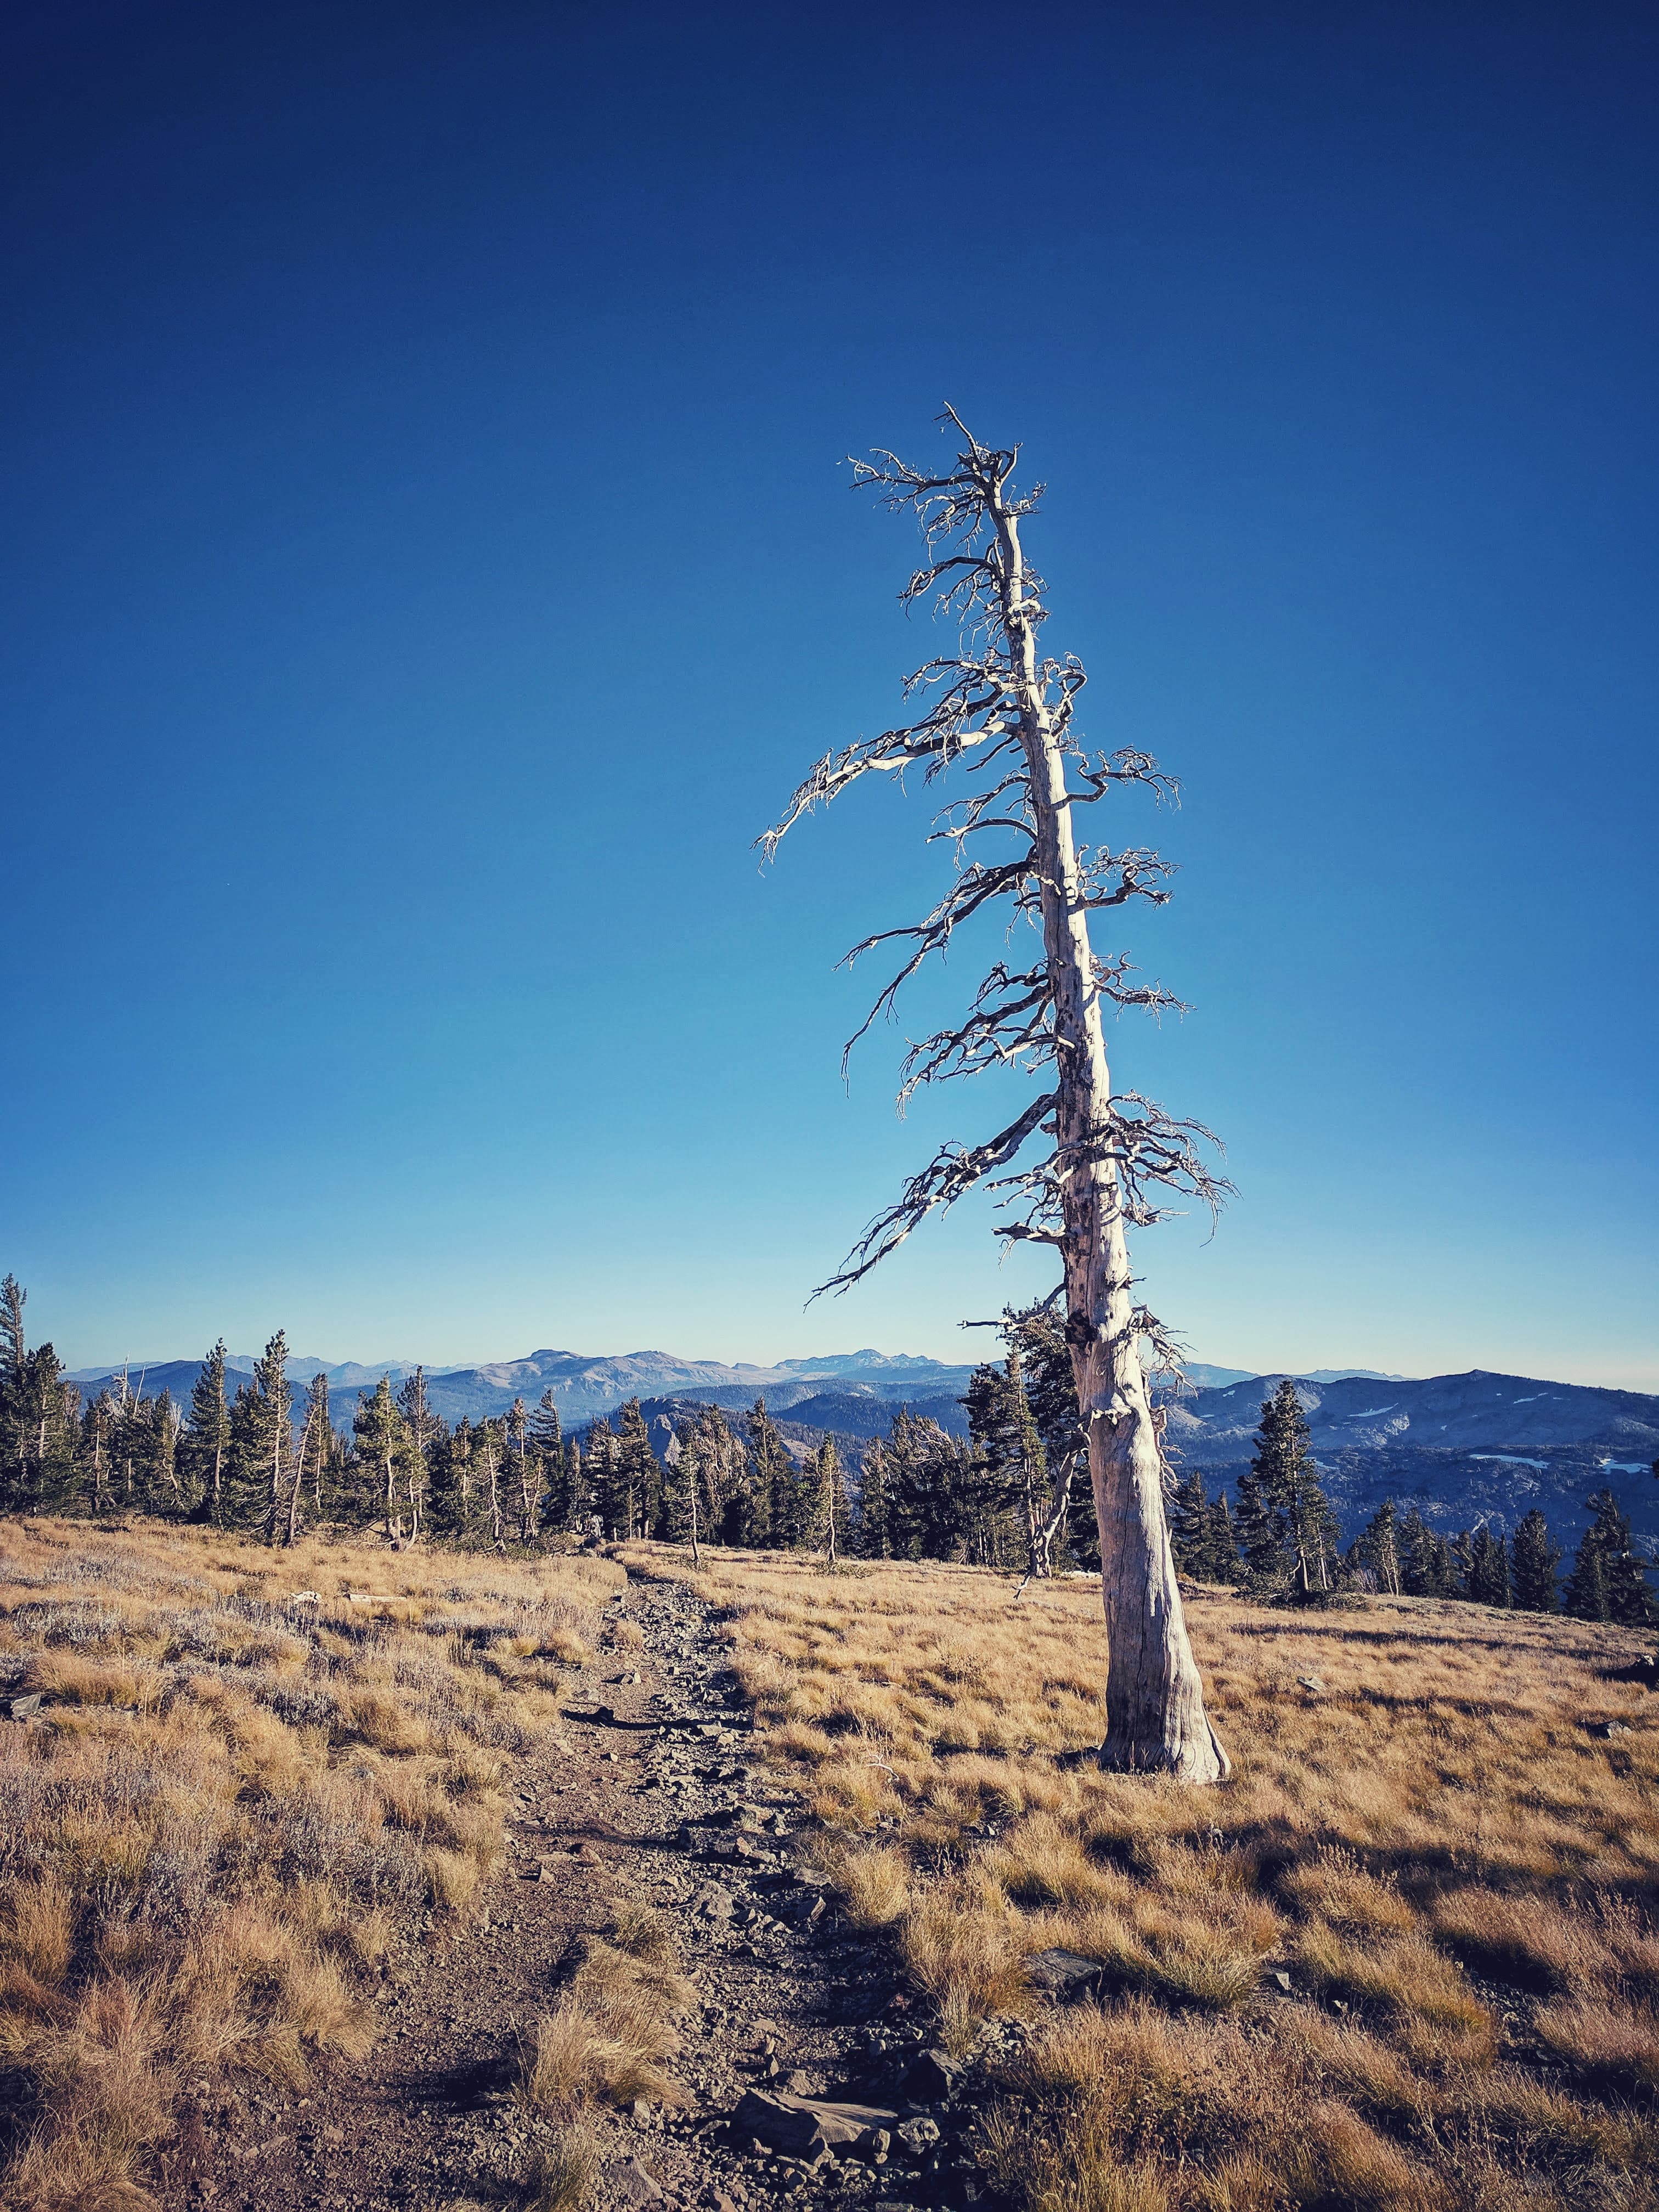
(585, 1386)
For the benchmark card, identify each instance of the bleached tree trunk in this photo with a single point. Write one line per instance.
(1154, 1699)
(997, 702)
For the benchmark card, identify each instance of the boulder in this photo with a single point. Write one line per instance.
(932, 2075)
(802, 2127)
(1067, 1975)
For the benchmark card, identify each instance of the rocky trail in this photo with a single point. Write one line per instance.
(654, 1797)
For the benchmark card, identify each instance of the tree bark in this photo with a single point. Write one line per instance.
(1155, 1717)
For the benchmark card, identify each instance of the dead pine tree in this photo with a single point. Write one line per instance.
(1004, 712)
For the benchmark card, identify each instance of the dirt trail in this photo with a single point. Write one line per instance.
(656, 1797)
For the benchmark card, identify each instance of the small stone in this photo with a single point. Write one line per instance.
(1282, 1979)
(23, 1709)
(918, 2135)
(1311, 1682)
(1614, 1728)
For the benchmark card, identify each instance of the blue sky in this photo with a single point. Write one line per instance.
(430, 568)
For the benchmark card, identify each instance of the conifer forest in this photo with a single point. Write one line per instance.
(265, 1455)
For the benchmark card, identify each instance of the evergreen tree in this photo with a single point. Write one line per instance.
(13, 1353)
(527, 1473)
(780, 1511)
(97, 1428)
(1289, 1488)
(1427, 1567)
(1189, 1524)
(928, 1474)
(831, 1514)
(276, 1400)
(1379, 1549)
(1535, 1558)
(1011, 1474)
(311, 1457)
(1051, 1393)
(638, 1476)
(167, 1483)
(209, 1431)
(682, 1517)
(1261, 1534)
(421, 1427)
(382, 1441)
(875, 1538)
(1608, 1580)
(1462, 1559)
(1489, 1567)
(609, 1501)
(453, 1481)
(548, 1441)
(489, 1456)
(1224, 1565)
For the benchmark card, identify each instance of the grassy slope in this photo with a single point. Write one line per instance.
(235, 1805)
(1451, 1864)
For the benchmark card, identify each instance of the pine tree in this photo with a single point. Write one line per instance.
(780, 1513)
(1462, 1560)
(276, 1398)
(831, 1515)
(1489, 1567)
(208, 1430)
(315, 1437)
(381, 1440)
(14, 1488)
(927, 1476)
(1050, 1382)
(1224, 1564)
(421, 1427)
(609, 1502)
(555, 1502)
(1535, 1558)
(453, 1480)
(875, 1536)
(1426, 1568)
(1379, 1548)
(1189, 1524)
(1261, 1534)
(683, 1520)
(1283, 1467)
(1608, 1580)
(639, 1478)
(527, 1473)
(97, 1427)
(489, 1453)
(1011, 1474)
(166, 1488)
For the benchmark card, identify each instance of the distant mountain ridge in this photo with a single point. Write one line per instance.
(585, 1386)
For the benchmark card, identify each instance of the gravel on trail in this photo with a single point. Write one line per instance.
(654, 1797)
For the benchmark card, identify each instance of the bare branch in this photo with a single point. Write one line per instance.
(950, 1175)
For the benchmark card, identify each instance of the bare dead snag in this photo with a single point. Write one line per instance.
(1006, 714)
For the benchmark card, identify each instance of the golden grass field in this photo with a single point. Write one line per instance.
(233, 1805)
(1454, 1870)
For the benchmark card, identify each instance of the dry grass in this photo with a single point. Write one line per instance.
(1455, 1871)
(232, 1804)
(605, 2040)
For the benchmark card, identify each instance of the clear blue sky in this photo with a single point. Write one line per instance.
(428, 568)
